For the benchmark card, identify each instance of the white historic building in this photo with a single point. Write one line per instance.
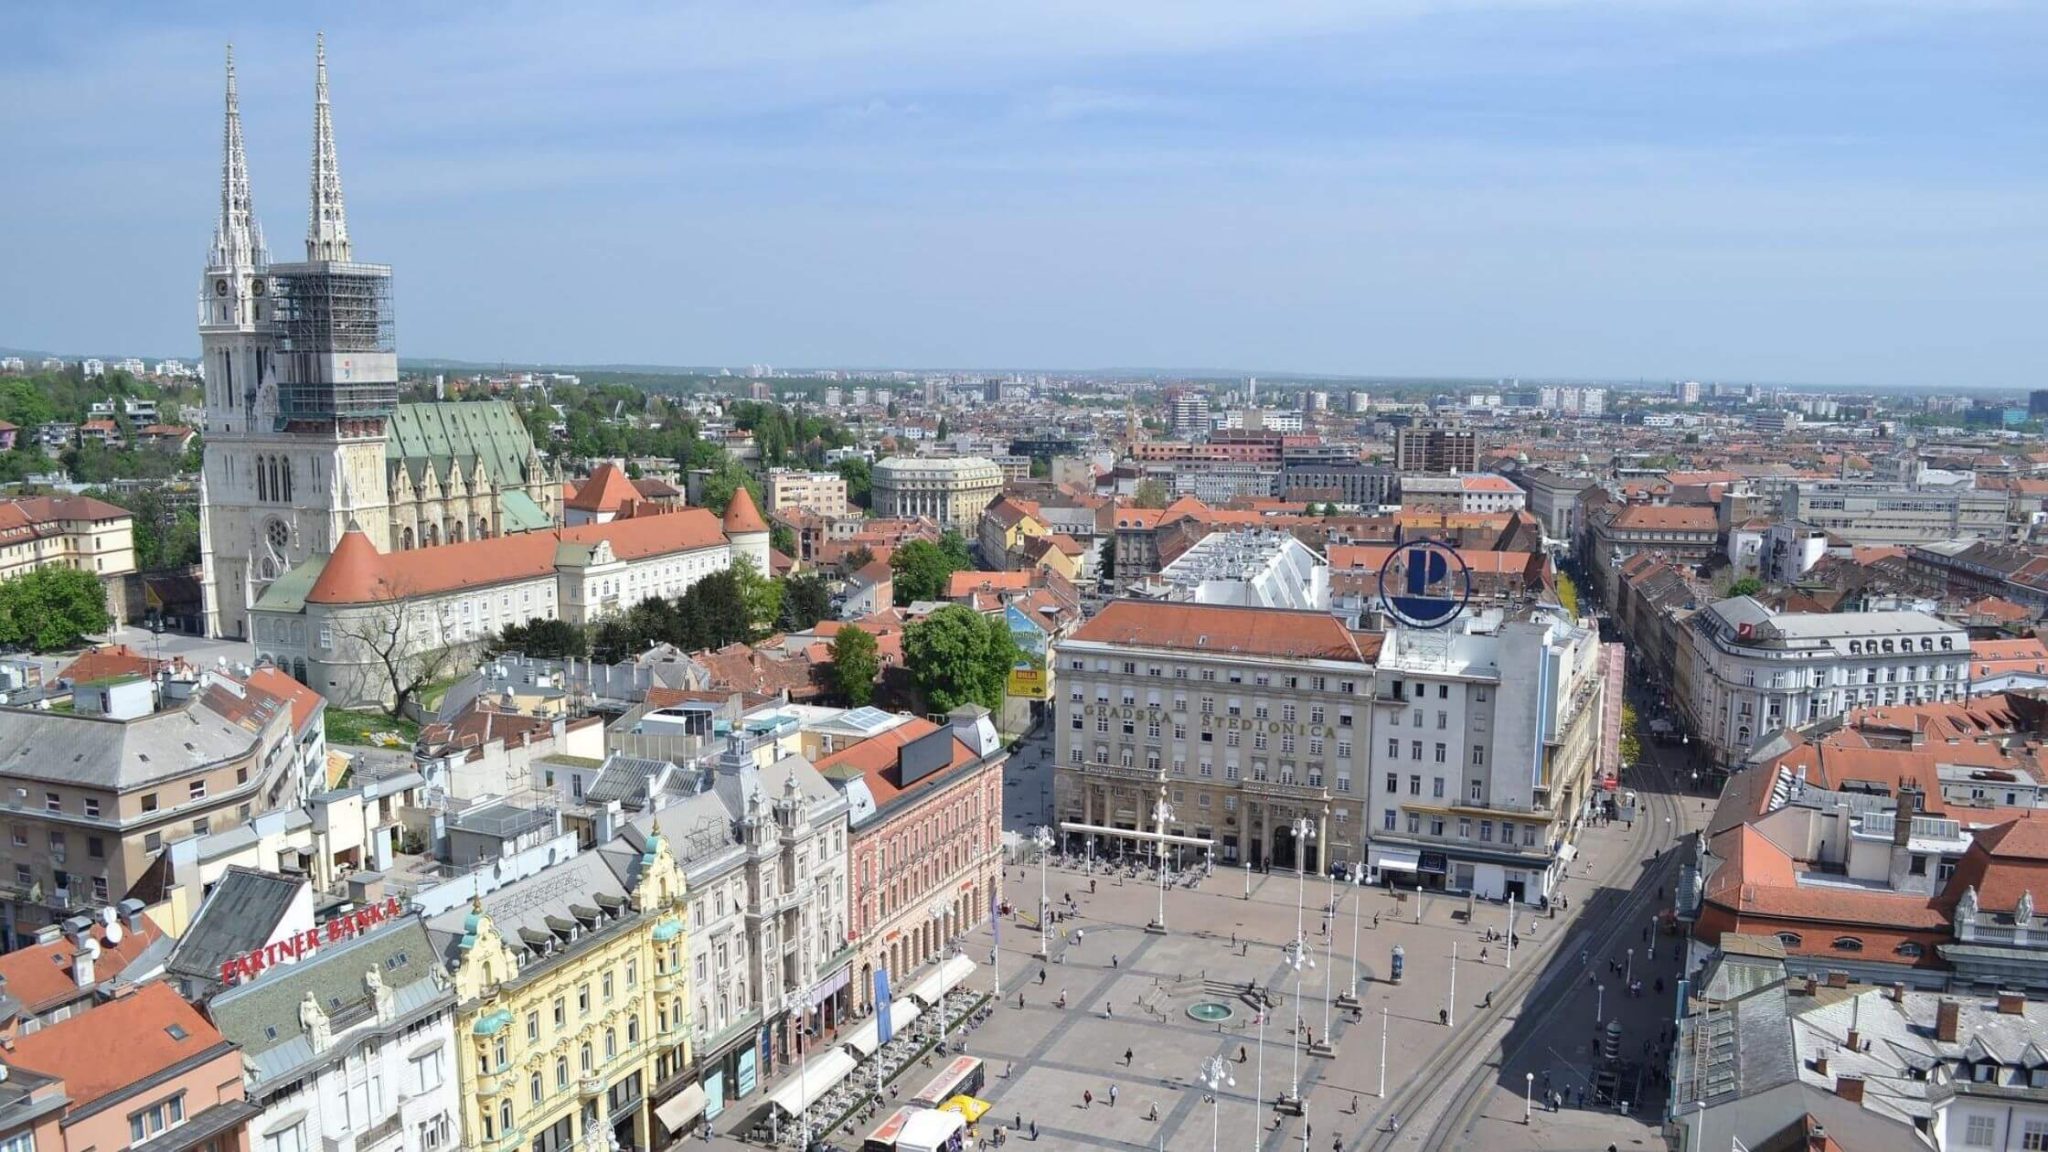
(1747, 672)
(331, 620)
(351, 1049)
(950, 489)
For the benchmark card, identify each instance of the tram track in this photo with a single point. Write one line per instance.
(1426, 1082)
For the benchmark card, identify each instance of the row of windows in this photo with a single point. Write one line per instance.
(1390, 821)
(1233, 676)
(1905, 948)
(1289, 772)
(1441, 752)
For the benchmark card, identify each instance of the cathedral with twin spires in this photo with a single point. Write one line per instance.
(305, 437)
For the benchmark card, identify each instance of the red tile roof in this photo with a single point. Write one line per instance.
(356, 573)
(741, 515)
(118, 1044)
(1223, 630)
(40, 976)
(108, 661)
(1666, 518)
(607, 490)
(877, 759)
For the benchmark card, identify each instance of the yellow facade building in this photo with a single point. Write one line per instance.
(572, 996)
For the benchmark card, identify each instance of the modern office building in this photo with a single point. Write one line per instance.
(1879, 513)
(1484, 739)
(1436, 449)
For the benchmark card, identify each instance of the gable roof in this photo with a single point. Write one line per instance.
(119, 1044)
(39, 976)
(607, 490)
(356, 573)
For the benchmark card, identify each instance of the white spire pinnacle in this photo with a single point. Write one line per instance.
(237, 240)
(327, 225)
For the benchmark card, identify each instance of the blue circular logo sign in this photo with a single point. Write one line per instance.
(1425, 584)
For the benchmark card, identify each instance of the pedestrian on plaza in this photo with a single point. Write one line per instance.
(1127, 1057)
(1020, 1122)
(1091, 887)
(1112, 960)
(1087, 1097)
(1354, 1103)
(1375, 919)
(1020, 1000)
(1394, 1122)
(1240, 1054)
(1308, 1132)
(1041, 975)
(1443, 1016)
(1151, 1111)
(1034, 1131)
(1112, 1095)
(1337, 1143)
(1489, 999)
(1482, 955)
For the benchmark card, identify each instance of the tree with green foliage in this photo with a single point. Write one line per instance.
(1631, 739)
(958, 656)
(166, 532)
(543, 639)
(859, 558)
(806, 599)
(945, 431)
(51, 608)
(921, 569)
(1568, 595)
(762, 594)
(726, 478)
(860, 481)
(1149, 494)
(1107, 563)
(855, 666)
(781, 537)
(1747, 586)
(958, 552)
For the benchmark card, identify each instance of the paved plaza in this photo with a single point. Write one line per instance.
(1130, 990)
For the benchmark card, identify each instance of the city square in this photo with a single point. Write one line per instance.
(1127, 989)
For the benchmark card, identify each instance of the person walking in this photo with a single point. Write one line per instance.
(1112, 1095)
(1034, 1131)
(1127, 1057)
(1087, 1098)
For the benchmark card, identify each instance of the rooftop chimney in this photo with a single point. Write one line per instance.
(1948, 1019)
(82, 962)
(1902, 820)
(1849, 1088)
(2012, 1003)
(1838, 979)
(1855, 1041)
(1898, 993)
(1817, 1139)
(1820, 1064)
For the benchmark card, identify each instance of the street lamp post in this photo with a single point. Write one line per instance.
(1628, 978)
(1350, 996)
(1214, 1075)
(1258, 1120)
(1528, 1093)
(1511, 931)
(1599, 1004)
(1161, 813)
(1651, 954)
(1297, 957)
(1247, 877)
(1383, 1052)
(1042, 838)
(1451, 1003)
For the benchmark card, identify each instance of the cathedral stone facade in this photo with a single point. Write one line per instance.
(305, 437)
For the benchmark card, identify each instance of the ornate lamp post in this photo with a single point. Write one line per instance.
(1161, 813)
(1297, 958)
(798, 1008)
(1214, 1075)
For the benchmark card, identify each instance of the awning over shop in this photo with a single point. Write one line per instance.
(866, 1038)
(1565, 853)
(684, 1107)
(809, 1083)
(902, 1014)
(950, 972)
(1395, 859)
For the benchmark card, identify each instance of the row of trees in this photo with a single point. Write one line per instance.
(166, 529)
(955, 656)
(738, 605)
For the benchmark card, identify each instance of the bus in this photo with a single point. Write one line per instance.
(962, 1076)
(883, 1138)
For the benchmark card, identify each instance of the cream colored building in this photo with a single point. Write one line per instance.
(821, 492)
(950, 489)
(66, 532)
(1244, 720)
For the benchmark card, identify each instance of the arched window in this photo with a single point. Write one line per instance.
(561, 1072)
(505, 1115)
(611, 1045)
(1855, 647)
(583, 1059)
(1789, 939)
(632, 1030)
(262, 479)
(286, 473)
(455, 532)
(1947, 642)
(1848, 944)
(1909, 950)
(533, 1089)
(406, 537)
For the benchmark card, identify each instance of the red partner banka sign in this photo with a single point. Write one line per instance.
(249, 965)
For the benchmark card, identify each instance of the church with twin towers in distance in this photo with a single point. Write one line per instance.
(305, 436)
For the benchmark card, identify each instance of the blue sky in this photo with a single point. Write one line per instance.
(1847, 192)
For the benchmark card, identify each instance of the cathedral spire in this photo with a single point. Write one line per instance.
(237, 238)
(327, 226)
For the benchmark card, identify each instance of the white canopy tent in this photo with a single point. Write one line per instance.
(808, 1084)
(937, 983)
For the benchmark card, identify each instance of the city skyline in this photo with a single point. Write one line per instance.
(1740, 193)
